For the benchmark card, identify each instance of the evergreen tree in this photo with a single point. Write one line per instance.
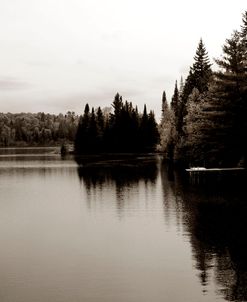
(100, 119)
(152, 135)
(243, 39)
(117, 105)
(82, 134)
(231, 91)
(165, 126)
(134, 128)
(125, 130)
(143, 128)
(107, 137)
(243, 32)
(193, 152)
(199, 76)
(177, 109)
(175, 99)
(231, 77)
(129, 128)
(210, 112)
(181, 86)
(216, 120)
(164, 106)
(215, 130)
(201, 69)
(93, 135)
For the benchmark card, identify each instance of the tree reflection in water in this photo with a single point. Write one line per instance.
(123, 170)
(119, 173)
(214, 218)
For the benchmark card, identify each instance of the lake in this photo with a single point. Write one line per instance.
(125, 229)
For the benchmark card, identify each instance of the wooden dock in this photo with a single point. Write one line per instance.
(199, 175)
(202, 169)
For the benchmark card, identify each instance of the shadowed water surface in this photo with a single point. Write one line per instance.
(115, 229)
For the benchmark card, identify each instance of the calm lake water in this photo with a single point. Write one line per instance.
(117, 230)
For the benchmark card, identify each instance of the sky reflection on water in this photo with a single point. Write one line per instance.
(128, 230)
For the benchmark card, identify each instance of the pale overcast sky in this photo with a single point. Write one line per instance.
(56, 55)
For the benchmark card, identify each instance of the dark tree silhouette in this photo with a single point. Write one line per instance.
(125, 130)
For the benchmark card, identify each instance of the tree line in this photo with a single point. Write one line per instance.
(25, 129)
(124, 130)
(205, 122)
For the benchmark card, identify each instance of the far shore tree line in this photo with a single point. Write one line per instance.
(34, 129)
(204, 124)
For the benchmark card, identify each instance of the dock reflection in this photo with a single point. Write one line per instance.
(214, 219)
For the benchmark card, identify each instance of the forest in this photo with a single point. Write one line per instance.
(204, 123)
(31, 129)
(98, 130)
(124, 130)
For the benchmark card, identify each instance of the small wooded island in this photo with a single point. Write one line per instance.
(124, 130)
(204, 124)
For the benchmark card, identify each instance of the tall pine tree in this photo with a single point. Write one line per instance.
(199, 76)
(201, 69)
